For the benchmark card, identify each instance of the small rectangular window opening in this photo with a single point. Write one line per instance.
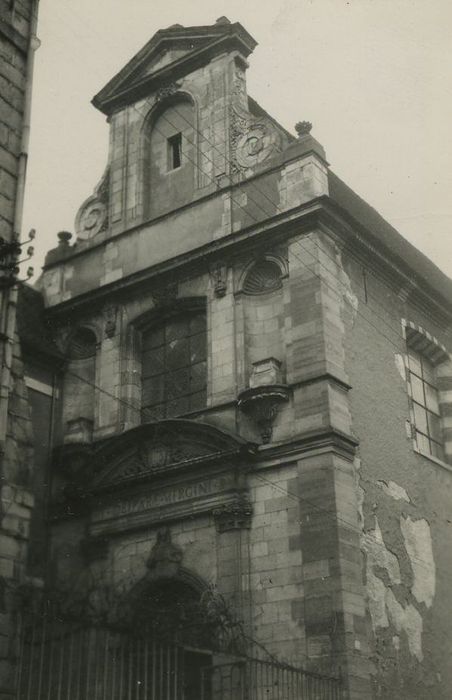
(174, 151)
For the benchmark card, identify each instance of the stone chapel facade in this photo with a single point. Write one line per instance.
(255, 386)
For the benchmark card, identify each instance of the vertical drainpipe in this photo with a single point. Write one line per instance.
(9, 297)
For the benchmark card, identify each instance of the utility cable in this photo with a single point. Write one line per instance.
(320, 277)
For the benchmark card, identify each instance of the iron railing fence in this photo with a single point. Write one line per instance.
(255, 679)
(64, 660)
(61, 660)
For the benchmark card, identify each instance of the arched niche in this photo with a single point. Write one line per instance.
(261, 293)
(79, 385)
(169, 147)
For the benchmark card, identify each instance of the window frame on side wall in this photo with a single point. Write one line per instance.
(425, 357)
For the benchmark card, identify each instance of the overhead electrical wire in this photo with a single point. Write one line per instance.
(232, 185)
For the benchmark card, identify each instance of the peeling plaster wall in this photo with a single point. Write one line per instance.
(418, 543)
(405, 502)
(382, 573)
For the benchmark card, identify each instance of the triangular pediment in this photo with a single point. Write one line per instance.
(165, 57)
(161, 447)
(171, 53)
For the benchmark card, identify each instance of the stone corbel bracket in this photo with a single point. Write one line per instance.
(262, 403)
(219, 275)
(234, 516)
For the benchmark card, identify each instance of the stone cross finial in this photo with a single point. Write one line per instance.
(303, 128)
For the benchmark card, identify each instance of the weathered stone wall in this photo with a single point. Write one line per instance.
(142, 215)
(14, 33)
(78, 391)
(16, 453)
(276, 580)
(405, 499)
(337, 570)
(298, 323)
(169, 188)
(16, 506)
(295, 576)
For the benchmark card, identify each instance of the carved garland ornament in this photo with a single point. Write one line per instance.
(166, 91)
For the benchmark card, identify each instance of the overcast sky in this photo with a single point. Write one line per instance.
(373, 76)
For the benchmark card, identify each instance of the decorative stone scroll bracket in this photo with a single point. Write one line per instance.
(110, 314)
(251, 141)
(218, 272)
(92, 217)
(234, 516)
(262, 403)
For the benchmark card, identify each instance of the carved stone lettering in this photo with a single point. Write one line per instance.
(122, 512)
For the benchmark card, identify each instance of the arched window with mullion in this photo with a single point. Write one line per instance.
(174, 373)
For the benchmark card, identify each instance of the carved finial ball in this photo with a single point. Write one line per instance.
(303, 128)
(64, 237)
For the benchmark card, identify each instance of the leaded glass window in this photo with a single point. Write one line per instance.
(174, 367)
(425, 405)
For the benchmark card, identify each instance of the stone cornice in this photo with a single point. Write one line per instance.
(374, 255)
(320, 212)
(276, 226)
(315, 442)
(11, 34)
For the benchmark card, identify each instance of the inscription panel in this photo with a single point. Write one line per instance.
(119, 512)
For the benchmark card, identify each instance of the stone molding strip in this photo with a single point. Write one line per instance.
(424, 343)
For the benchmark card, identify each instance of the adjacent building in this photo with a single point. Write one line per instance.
(246, 382)
(18, 41)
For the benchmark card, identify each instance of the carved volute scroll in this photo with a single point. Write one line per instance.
(92, 217)
(252, 142)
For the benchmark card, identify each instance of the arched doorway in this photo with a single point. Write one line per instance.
(173, 614)
(174, 610)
